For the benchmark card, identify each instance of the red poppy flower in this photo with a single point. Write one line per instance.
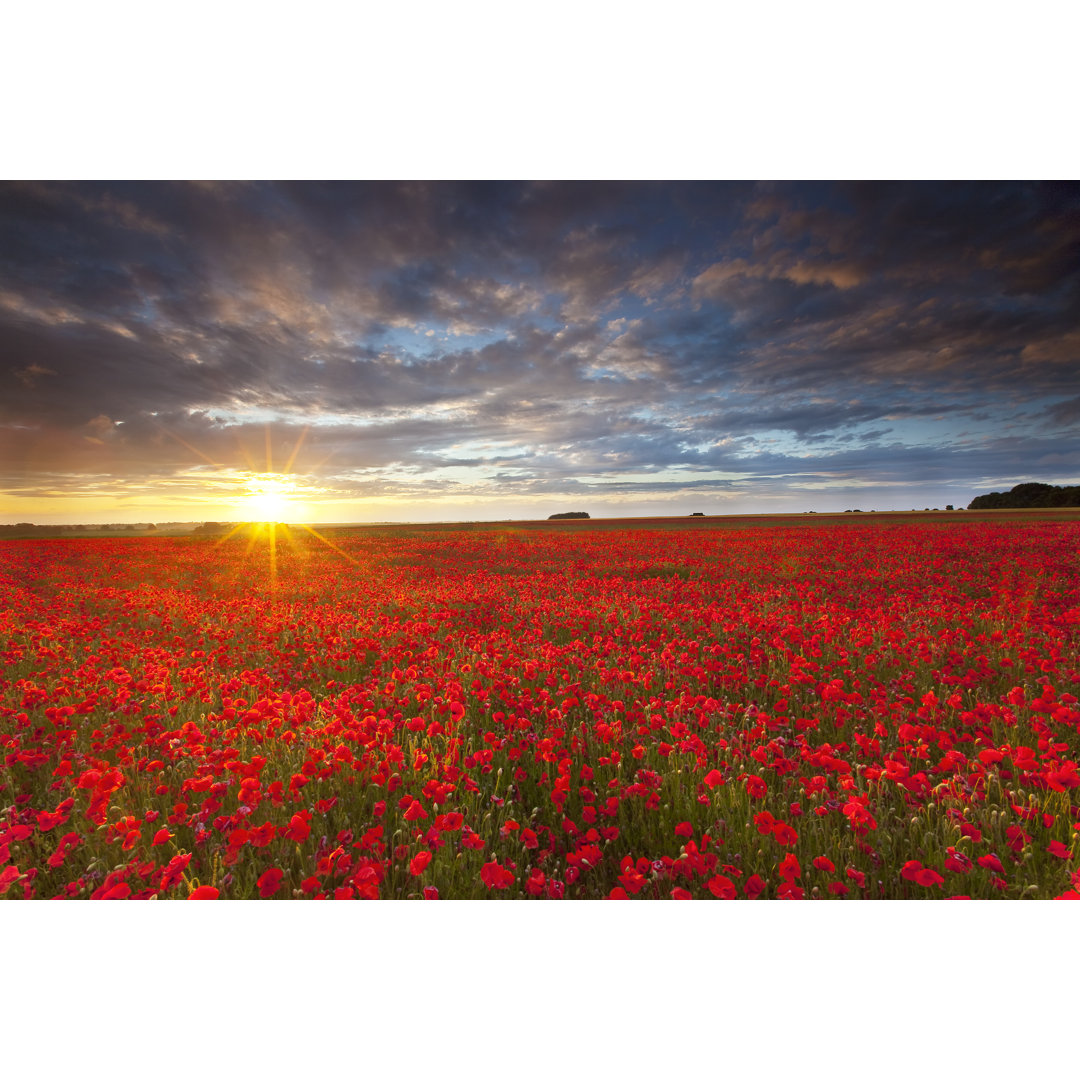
(419, 863)
(120, 891)
(789, 867)
(298, 829)
(366, 881)
(785, 834)
(47, 820)
(174, 871)
(8, 876)
(824, 863)
(449, 822)
(857, 876)
(680, 894)
(838, 888)
(162, 836)
(684, 828)
(1065, 776)
(536, 882)
(712, 778)
(496, 876)
(1057, 848)
(858, 815)
(957, 862)
(631, 877)
(416, 811)
(722, 888)
(269, 882)
(204, 892)
(913, 870)
(756, 787)
(619, 893)
(1016, 838)
(431, 892)
(754, 887)
(262, 834)
(991, 862)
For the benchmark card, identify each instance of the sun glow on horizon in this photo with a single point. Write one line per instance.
(268, 496)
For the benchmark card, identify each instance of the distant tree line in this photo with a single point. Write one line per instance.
(568, 514)
(1027, 496)
(28, 528)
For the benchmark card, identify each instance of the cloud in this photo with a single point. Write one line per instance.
(536, 334)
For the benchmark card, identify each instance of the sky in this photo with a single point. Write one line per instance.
(337, 352)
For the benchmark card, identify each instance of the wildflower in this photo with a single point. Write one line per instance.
(269, 882)
(913, 870)
(496, 876)
(754, 887)
(8, 876)
(723, 888)
(756, 787)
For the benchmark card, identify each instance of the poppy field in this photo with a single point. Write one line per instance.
(822, 709)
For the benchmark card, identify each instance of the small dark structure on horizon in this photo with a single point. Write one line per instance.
(568, 514)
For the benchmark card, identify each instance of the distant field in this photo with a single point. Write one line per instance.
(723, 521)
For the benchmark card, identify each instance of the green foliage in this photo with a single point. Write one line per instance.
(1028, 497)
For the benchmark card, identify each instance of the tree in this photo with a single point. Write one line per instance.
(1027, 496)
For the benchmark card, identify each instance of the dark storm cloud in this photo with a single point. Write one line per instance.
(546, 333)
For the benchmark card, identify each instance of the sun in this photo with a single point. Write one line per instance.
(267, 497)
